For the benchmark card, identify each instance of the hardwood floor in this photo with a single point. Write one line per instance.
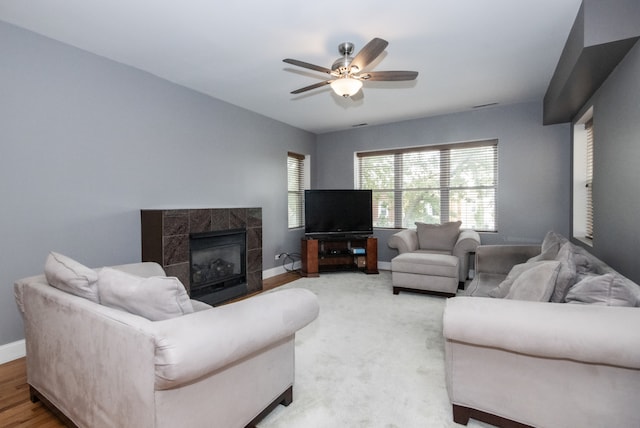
(16, 408)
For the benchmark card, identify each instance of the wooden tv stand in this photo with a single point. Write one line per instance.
(335, 254)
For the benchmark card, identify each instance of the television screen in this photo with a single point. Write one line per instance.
(335, 212)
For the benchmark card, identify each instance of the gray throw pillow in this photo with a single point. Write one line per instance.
(70, 276)
(551, 244)
(503, 288)
(155, 298)
(608, 290)
(438, 237)
(537, 283)
(567, 274)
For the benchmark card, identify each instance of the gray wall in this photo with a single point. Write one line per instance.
(533, 164)
(616, 169)
(87, 142)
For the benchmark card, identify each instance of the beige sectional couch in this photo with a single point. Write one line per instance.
(94, 357)
(557, 347)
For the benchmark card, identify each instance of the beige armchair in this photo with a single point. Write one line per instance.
(216, 367)
(432, 258)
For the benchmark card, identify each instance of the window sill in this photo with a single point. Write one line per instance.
(584, 240)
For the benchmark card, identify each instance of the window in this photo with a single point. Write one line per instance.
(295, 189)
(583, 208)
(589, 184)
(433, 184)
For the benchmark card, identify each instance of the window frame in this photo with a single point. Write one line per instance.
(444, 187)
(295, 189)
(583, 207)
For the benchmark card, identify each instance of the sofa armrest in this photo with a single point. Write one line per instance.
(587, 333)
(404, 241)
(499, 259)
(197, 344)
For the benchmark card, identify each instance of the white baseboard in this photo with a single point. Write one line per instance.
(297, 265)
(12, 351)
(384, 265)
(279, 270)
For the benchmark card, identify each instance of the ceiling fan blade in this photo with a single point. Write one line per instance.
(307, 65)
(310, 87)
(368, 53)
(390, 75)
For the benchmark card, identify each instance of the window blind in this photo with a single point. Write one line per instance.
(588, 126)
(433, 184)
(295, 189)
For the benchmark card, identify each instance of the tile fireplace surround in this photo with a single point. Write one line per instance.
(165, 238)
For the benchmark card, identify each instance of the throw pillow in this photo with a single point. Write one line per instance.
(438, 237)
(608, 290)
(566, 275)
(503, 288)
(537, 283)
(551, 244)
(155, 298)
(70, 276)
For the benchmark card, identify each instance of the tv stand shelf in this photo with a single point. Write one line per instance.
(336, 253)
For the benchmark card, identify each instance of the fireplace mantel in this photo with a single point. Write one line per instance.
(165, 238)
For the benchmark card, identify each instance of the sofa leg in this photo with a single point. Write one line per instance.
(33, 394)
(285, 399)
(396, 290)
(461, 414)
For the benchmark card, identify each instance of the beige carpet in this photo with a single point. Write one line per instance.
(371, 359)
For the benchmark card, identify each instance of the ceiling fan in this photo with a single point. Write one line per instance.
(347, 72)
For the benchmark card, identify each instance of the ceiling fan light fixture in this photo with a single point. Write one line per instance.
(346, 86)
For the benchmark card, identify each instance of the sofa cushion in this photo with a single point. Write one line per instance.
(505, 286)
(438, 237)
(567, 274)
(155, 298)
(536, 283)
(609, 290)
(70, 276)
(551, 245)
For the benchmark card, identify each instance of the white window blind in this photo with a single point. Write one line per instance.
(433, 184)
(295, 189)
(589, 128)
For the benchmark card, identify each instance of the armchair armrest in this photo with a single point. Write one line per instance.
(404, 241)
(588, 333)
(468, 241)
(499, 259)
(197, 344)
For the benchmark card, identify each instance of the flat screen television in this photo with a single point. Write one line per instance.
(338, 212)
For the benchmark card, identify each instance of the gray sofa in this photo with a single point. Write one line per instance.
(98, 364)
(573, 361)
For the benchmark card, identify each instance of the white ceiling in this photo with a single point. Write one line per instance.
(468, 52)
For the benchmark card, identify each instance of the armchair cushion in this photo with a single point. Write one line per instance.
(438, 237)
(155, 298)
(68, 275)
